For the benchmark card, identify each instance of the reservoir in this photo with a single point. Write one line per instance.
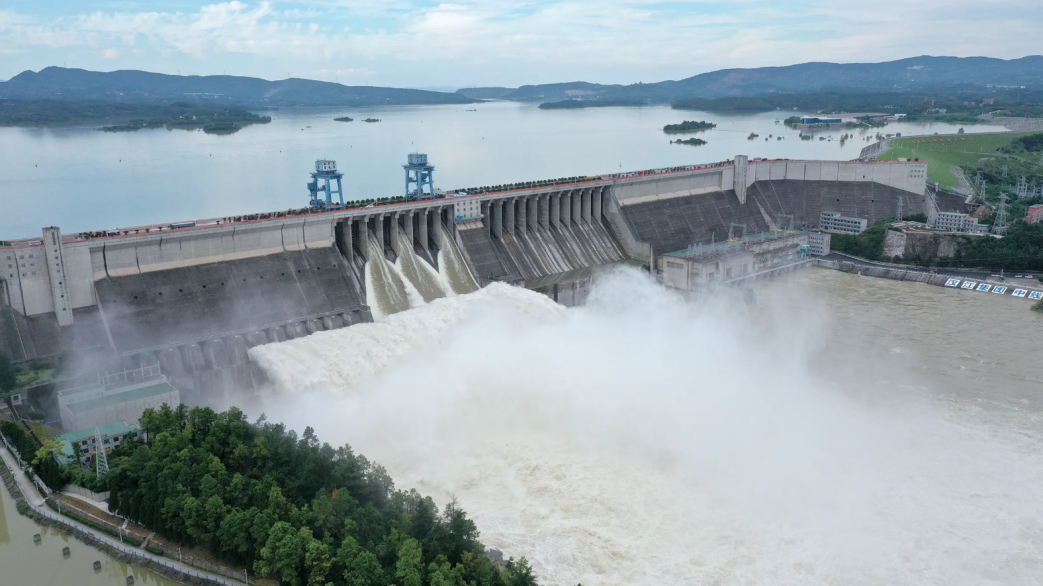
(42, 564)
(81, 179)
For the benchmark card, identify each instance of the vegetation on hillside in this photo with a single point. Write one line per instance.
(131, 116)
(868, 245)
(942, 153)
(1020, 248)
(293, 508)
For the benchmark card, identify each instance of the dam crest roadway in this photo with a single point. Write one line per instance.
(195, 296)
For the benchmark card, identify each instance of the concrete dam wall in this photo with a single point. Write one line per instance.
(529, 237)
(195, 297)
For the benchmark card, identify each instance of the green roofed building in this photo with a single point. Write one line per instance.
(114, 400)
(108, 437)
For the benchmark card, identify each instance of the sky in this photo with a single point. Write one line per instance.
(416, 43)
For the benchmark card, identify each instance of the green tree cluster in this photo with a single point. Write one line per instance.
(291, 507)
(52, 473)
(868, 245)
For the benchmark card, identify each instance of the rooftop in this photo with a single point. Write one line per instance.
(698, 250)
(109, 429)
(117, 398)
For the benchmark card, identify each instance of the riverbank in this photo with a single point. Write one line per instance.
(32, 504)
(1018, 287)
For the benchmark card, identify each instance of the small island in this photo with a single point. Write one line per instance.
(689, 141)
(752, 136)
(688, 126)
(191, 117)
(343, 119)
(371, 120)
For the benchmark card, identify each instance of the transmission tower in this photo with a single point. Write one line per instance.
(1000, 226)
(100, 458)
(898, 211)
(1004, 169)
(1022, 188)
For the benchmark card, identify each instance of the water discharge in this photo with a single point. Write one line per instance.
(452, 266)
(385, 290)
(414, 270)
(645, 440)
(411, 281)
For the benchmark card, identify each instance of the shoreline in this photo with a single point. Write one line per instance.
(17, 485)
(1030, 290)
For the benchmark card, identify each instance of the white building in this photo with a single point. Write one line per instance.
(466, 208)
(818, 243)
(834, 222)
(957, 222)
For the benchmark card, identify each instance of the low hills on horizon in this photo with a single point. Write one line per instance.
(915, 74)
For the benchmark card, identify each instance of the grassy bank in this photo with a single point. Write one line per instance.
(942, 152)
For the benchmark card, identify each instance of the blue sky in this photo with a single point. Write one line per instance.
(410, 43)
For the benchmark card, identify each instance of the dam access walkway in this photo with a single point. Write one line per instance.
(37, 503)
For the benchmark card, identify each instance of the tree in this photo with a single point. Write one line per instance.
(361, 566)
(283, 554)
(316, 560)
(409, 568)
(519, 573)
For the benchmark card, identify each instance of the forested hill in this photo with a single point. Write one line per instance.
(292, 508)
(905, 75)
(131, 86)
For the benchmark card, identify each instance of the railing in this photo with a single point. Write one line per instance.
(144, 558)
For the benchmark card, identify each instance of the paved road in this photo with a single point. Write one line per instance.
(32, 496)
(1010, 277)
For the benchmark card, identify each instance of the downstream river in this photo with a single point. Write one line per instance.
(25, 563)
(81, 179)
(839, 430)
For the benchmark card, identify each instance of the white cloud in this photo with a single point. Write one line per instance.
(533, 42)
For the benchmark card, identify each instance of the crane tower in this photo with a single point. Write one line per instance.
(326, 172)
(418, 175)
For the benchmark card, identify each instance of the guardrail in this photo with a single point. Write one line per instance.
(145, 558)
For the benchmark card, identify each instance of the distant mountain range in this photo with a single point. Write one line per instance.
(904, 75)
(911, 75)
(58, 83)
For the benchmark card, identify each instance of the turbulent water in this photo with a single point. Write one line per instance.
(837, 431)
(411, 281)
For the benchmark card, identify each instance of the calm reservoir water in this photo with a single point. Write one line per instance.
(25, 563)
(81, 179)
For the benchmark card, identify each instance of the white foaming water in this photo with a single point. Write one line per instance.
(643, 440)
(410, 281)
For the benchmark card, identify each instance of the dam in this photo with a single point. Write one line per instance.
(196, 296)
